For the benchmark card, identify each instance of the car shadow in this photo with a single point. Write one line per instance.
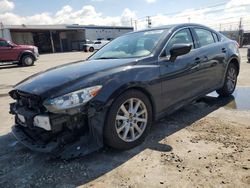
(19, 165)
(9, 66)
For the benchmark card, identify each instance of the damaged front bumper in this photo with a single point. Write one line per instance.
(65, 136)
(59, 147)
(34, 144)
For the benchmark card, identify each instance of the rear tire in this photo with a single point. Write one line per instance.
(91, 49)
(230, 81)
(128, 120)
(27, 60)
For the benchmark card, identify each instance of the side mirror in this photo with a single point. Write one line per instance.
(178, 50)
(10, 45)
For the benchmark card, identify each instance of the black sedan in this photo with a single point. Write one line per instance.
(114, 96)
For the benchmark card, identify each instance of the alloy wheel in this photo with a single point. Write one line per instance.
(231, 79)
(131, 119)
(28, 61)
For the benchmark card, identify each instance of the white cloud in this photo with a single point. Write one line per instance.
(222, 17)
(67, 15)
(87, 15)
(126, 16)
(237, 3)
(6, 6)
(151, 1)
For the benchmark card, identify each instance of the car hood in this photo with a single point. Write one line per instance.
(88, 44)
(26, 46)
(60, 77)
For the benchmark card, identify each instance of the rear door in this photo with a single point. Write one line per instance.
(181, 79)
(212, 55)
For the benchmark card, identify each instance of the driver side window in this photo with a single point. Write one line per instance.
(3, 43)
(181, 37)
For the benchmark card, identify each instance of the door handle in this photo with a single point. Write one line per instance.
(224, 50)
(197, 60)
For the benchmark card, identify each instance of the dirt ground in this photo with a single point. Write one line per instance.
(205, 144)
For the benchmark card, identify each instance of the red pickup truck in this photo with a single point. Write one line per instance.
(24, 55)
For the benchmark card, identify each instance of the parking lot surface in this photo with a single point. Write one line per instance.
(205, 144)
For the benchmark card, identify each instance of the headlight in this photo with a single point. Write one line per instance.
(36, 50)
(71, 100)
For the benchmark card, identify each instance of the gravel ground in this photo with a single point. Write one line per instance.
(205, 144)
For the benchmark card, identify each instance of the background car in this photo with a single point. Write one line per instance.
(113, 97)
(24, 55)
(95, 45)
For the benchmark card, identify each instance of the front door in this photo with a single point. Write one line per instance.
(181, 78)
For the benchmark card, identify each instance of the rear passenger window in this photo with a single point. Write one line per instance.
(205, 37)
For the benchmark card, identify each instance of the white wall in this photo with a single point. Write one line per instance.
(94, 34)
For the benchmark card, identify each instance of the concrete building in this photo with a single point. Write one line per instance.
(60, 38)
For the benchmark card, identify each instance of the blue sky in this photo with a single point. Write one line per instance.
(111, 7)
(120, 12)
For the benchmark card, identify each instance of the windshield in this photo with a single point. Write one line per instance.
(133, 45)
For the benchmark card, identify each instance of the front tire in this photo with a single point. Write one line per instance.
(230, 81)
(128, 120)
(27, 60)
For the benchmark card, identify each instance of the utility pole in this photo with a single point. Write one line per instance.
(131, 22)
(240, 34)
(220, 27)
(240, 24)
(135, 25)
(2, 29)
(149, 21)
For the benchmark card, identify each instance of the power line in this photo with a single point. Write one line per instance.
(177, 12)
(142, 19)
(219, 22)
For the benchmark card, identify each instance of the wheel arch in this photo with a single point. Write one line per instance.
(27, 52)
(234, 60)
(140, 88)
